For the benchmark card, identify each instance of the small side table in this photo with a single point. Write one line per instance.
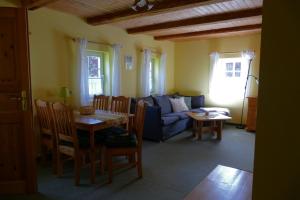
(216, 120)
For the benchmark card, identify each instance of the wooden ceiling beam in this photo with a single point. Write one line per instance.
(210, 32)
(158, 8)
(228, 16)
(33, 5)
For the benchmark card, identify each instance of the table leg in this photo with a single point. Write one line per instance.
(200, 126)
(194, 128)
(93, 155)
(219, 129)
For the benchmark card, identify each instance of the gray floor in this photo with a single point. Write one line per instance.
(171, 169)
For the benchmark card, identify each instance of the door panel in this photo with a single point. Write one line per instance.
(17, 163)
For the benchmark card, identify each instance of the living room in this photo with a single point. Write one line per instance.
(53, 42)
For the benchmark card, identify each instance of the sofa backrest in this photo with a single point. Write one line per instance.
(165, 104)
(197, 101)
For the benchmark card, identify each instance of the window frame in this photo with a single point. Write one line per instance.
(100, 54)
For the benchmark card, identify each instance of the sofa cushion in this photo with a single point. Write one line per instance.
(197, 101)
(181, 115)
(178, 104)
(167, 120)
(164, 103)
(188, 102)
(148, 100)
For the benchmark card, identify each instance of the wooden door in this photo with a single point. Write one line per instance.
(17, 163)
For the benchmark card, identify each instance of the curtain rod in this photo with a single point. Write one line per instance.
(230, 52)
(152, 51)
(89, 41)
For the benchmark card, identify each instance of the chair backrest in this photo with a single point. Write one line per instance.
(139, 119)
(64, 126)
(100, 102)
(44, 117)
(120, 104)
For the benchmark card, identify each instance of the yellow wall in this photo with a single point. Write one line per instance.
(9, 3)
(192, 63)
(53, 52)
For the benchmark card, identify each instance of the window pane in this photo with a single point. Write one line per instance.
(229, 66)
(95, 86)
(228, 74)
(237, 74)
(237, 66)
(94, 66)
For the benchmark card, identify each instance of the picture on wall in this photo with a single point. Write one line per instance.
(128, 62)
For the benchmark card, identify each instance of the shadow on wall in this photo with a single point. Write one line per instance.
(191, 93)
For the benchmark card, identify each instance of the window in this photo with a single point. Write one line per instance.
(95, 61)
(228, 80)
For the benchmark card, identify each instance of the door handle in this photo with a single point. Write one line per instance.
(24, 100)
(15, 98)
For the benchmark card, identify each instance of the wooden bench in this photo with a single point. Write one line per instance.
(224, 183)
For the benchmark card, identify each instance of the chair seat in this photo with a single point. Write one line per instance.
(119, 141)
(102, 135)
(83, 140)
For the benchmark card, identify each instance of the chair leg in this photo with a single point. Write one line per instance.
(59, 164)
(54, 161)
(102, 159)
(44, 155)
(139, 165)
(109, 166)
(77, 160)
(131, 159)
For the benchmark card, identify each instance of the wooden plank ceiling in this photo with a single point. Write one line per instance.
(168, 19)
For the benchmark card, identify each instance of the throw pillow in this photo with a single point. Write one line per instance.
(178, 104)
(188, 102)
(164, 102)
(197, 101)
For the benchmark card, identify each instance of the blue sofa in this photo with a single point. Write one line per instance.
(161, 123)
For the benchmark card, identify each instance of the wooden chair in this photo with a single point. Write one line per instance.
(100, 102)
(68, 142)
(48, 140)
(120, 104)
(127, 145)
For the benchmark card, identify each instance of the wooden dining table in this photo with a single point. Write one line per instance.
(98, 121)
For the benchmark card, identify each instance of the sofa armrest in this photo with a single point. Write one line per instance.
(152, 124)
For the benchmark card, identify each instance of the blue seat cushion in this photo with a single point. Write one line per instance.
(164, 103)
(167, 120)
(121, 141)
(101, 135)
(83, 140)
(181, 115)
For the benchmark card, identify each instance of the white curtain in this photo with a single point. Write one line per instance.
(162, 74)
(116, 70)
(214, 59)
(83, 69)
(247, 57)
(145, 85)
